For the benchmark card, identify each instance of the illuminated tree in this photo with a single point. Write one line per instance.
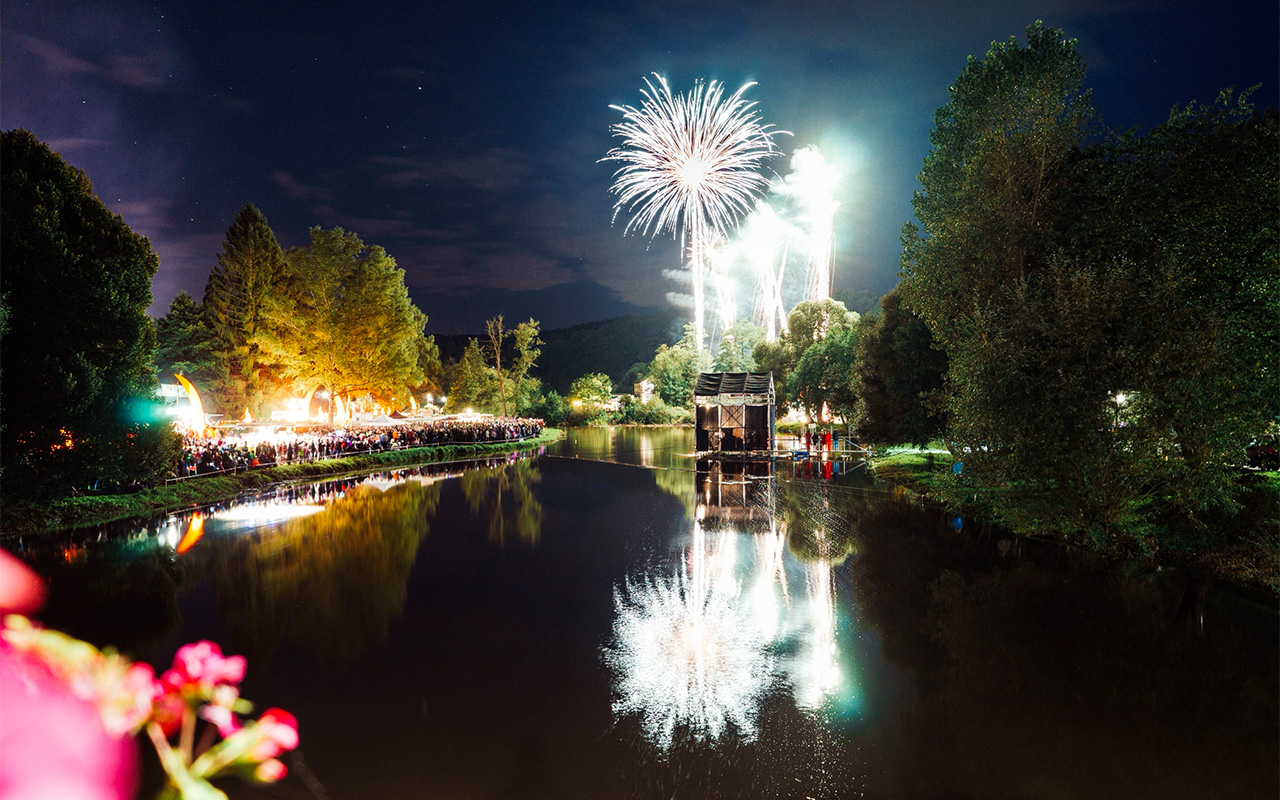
(592, 390)
(250, 267)
(475, 384)
(342, 317)
(808, 323)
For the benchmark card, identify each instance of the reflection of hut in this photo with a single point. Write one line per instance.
(734, 493)
(735, 412)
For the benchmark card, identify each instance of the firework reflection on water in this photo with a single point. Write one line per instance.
(696, 650)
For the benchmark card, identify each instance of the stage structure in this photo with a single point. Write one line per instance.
(735, 412)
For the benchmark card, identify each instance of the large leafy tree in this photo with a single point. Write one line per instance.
(999, 147)
(342, 317)
(809, 322)
(998, 169)
(674, 369)
(898, 377)
(1108, 310)
(592, 390)
(525, 388)
(250, 267)
(822, 381)
(78, 378)
(475, 383)
(737, 345)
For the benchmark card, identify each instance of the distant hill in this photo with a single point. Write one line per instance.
(610, 346)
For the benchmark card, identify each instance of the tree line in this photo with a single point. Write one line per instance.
(274, 324)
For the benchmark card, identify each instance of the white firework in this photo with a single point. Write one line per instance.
(811, 186)
(690, 165)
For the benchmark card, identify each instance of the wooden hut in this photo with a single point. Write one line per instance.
(735, 412)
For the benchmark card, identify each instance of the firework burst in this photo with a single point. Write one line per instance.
(690, 166)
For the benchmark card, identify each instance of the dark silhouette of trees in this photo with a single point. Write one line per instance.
(79, 389)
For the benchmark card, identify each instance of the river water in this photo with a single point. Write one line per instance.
(612, 619)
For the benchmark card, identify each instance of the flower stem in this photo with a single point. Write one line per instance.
(188, 734)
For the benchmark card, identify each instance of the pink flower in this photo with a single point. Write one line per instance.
(200, 666)
(167, 709)
(220, 710)
(126, 692)
(270, 771)
(279, 731)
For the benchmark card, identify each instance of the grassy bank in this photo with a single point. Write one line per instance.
(25, 518)
(1242, 548)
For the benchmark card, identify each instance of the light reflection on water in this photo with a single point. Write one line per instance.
(440, 634)
(698, 644)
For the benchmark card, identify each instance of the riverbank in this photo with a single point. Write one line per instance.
(25, 518)
(1247, 554)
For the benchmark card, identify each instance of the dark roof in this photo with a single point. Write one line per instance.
(716, 383)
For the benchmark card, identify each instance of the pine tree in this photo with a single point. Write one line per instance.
(250, 265)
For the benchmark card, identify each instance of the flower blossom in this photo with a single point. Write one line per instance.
(200, 666)
(279, 731)
(222, 707)
(270, 771)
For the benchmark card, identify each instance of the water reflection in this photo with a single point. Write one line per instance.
(504, 496)
(689, 650)
(766, 637)
(331, 583)
(698, 645)
(323, 566)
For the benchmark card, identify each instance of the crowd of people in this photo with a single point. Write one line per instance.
(234, 450)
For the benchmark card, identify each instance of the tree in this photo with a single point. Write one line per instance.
(736, 347)
(823, 379)
(250, 267)
(474, 381)
(1107, 310)
(998, 150)
(591, 390)
(809, 322)
(343, 318)
(495, 333)
(674, 370)
(898, 377)
(433, 379)
(78, 381)
(525, 388)
(525, 339)
(185, 343)
(860, 302)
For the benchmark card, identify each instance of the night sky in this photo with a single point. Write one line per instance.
(465, 137)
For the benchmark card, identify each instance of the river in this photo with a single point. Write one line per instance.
(613, 619)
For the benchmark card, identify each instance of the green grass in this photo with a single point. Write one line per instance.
(920, 471)
(25, 518)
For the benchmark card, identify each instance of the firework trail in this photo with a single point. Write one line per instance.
(811, 187)
(690, 166)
